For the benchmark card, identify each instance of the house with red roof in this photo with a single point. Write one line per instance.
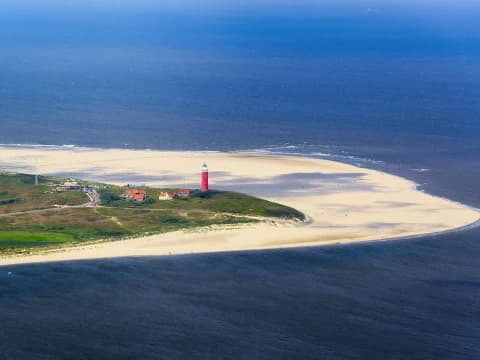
(135, 195)
(183, 193)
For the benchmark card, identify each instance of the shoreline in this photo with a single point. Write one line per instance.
(346, 204)
(5, 260)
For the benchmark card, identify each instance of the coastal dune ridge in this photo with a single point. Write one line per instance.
(343, 203)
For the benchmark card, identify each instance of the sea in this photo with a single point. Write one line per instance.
(393, 86)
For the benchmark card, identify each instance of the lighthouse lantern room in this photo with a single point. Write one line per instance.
(204, 183)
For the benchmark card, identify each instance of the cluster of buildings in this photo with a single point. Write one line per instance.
(73, 186)
(69, 186)
(180, 194)
(139, 195)
(135, 193)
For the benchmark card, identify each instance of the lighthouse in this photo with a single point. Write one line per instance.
(204, 183)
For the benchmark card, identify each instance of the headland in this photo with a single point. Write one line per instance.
(342, 203)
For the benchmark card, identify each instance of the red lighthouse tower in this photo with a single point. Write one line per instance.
(204, 184)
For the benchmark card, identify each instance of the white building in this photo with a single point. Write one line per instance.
(165, 196)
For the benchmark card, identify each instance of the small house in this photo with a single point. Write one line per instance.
(183, 193)
(166, 196)
(135, 195)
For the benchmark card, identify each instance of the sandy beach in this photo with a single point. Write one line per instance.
(343, 203)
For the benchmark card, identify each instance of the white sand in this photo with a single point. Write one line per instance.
(344, 203)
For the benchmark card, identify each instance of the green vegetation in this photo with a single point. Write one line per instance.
(19, 193)
(37, 216)
(21, 239)
(214, 201)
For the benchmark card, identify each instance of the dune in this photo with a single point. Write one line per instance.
(343, 203)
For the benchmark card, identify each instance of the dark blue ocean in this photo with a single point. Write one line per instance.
(389, 85)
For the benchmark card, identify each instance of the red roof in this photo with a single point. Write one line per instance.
(183, 192)
(138, 197)
(136, 194)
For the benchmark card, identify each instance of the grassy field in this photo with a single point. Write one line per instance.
(19, 193)
(22, 239)
(30, 219)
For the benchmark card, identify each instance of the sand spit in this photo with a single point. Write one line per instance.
(344, 203)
